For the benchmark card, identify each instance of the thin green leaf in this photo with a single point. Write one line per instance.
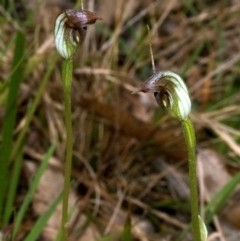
(33, 107)
(13, 187)
(10, 116)
(221, 197)
(32, 190)
(41, 223)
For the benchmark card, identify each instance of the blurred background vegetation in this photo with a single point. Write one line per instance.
(129, 162)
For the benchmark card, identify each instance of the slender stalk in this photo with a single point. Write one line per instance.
(67, 83)
(172, 95)
(70, 31)
(189, 134)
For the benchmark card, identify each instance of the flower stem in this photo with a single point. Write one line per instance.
(189, 134)
(67, 83)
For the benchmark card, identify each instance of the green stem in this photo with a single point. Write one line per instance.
(67, 83)
(189, 134)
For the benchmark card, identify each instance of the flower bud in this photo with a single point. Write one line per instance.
(70, 30)
(170, 93)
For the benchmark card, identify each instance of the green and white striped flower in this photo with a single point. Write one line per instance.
(170, 92)
(70, 30)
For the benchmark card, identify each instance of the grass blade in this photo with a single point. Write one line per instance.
(221, 197)
(40, 224)
(13, 187)
(32, 190)
(33, 107)
(10, 116)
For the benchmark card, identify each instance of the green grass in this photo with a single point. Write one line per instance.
(42, 221)
(221, 198)
(32, 188)
(10, 118)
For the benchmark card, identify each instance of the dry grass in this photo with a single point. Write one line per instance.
(130, 159)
